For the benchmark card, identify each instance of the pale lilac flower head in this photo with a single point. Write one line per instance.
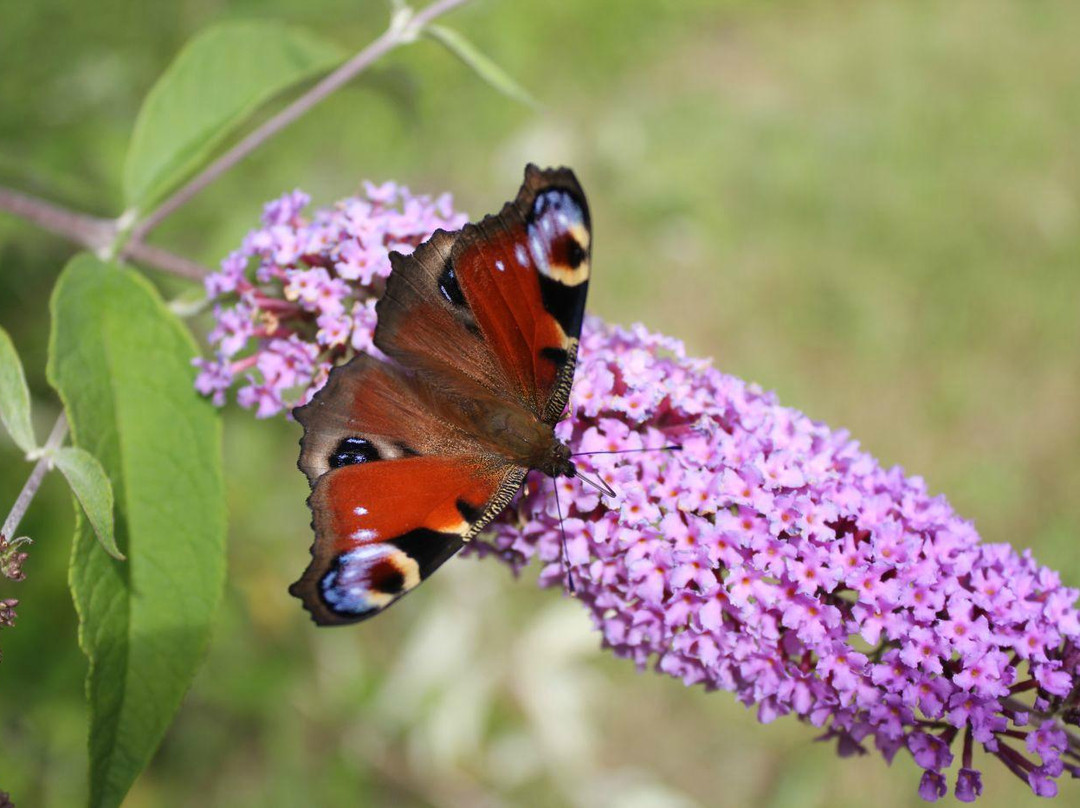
(769, 555)
(772, 557)
(298, 296)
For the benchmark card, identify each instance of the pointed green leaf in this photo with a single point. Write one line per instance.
(121, 362)
(211, 89)
(90, 485)
(14, 396)
(481, 64)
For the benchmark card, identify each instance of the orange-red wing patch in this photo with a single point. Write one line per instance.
(382, 527)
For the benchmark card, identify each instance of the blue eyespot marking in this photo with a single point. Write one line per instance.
(556, 229)
(363, 579)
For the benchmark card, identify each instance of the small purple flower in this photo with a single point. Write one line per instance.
(1053, 679)
(214, 378)
(932, 786)
(1049, 741)
(968, 785)
(929, 751)
(285, 210)
(1042, 782)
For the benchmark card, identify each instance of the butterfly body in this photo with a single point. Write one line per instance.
(410, 458)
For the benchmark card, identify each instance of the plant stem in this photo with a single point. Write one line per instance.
(89, 231)
(44, 463)
(151, 256)
(94, 233)
(404, 29)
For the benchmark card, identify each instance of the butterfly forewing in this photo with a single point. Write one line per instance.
(508, 293)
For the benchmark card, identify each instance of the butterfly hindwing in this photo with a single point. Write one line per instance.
(502, 300)
(383, 527)
(396, 489)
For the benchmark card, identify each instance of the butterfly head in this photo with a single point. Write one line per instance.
(557, 463)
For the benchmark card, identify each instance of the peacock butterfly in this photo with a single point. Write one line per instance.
(411, 458)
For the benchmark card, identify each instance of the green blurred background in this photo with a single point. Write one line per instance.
(871, 207)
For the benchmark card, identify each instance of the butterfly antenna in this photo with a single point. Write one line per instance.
(565, 555)
(597, 483)
(672, 448)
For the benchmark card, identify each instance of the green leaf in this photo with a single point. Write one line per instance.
(92, 488)
(14, 396)
(212, 88)
(121, 362)
(481, 64)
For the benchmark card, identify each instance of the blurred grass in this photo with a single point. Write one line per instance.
(870, 207)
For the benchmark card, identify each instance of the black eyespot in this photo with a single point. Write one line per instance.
(574, 253)
(448, 285)
(387, 578)
(353, 450)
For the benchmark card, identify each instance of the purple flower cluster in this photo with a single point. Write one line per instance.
(769, 556)
(773, 558)
(299, 295)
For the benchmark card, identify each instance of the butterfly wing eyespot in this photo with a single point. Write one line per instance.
(449, 287)
(575, 254)
(363, 581)
(558, 233)
(353, 450)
